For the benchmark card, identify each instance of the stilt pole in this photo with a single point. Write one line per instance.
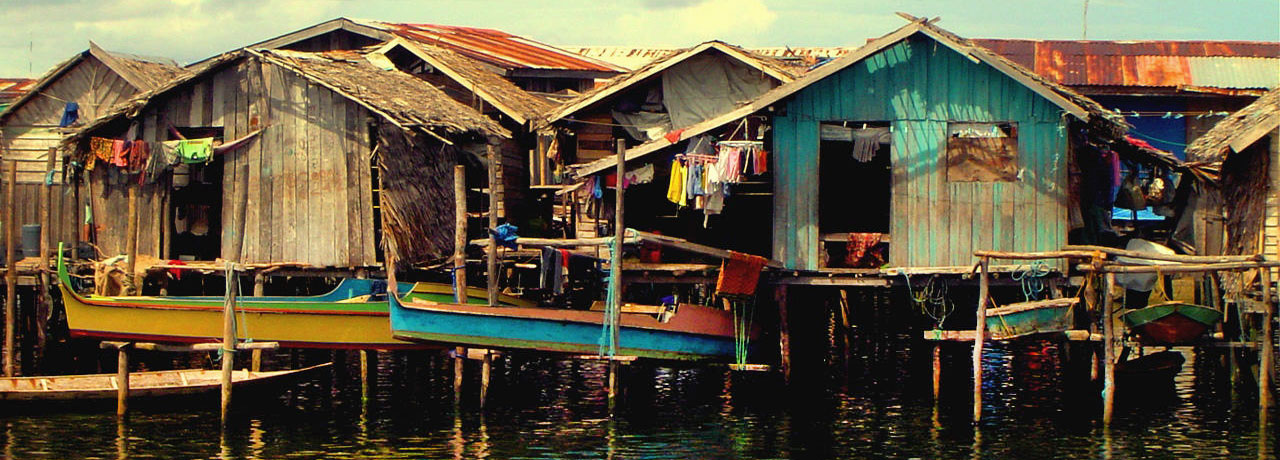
(122, 380)
(1108, 351)
(11, 273)
(615, 268)
(937, 370)
(980, 337)
(784, 333)
(228, 338)
(486, 367)
(460, 234)
(459, 354)
(259, 290)
(1266, 360)
(364, 375)
(494, 185)
(131, 242)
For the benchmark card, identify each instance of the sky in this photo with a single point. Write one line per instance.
(37, 34)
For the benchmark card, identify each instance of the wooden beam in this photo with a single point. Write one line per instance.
(615, 269)
(980, 335)
(1108, 350)
(11, 274)
(460, 234)
(1164, 257)
(968, 335)
(491, 272)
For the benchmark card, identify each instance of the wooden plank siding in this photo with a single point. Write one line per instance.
(918, 87)
(299, 192)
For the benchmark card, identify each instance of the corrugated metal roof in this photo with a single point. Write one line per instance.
(496, 47)
(635, 57)
(13, 88)
(1217, 64)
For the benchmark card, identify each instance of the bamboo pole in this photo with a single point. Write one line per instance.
(228, 338)
(980, 336)
(460, 234)
(122, 380)
(131, 240)
(11, 272)
(1178, 268)
(1163, 257)
(1108, 350)
(615, 268)
(491, 270)
(1266, 359)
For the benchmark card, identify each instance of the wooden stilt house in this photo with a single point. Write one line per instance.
(95, 80)
(341, 158)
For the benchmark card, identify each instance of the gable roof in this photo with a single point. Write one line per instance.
(1150, 64)
(401, 99)
(1069, 101)
(1239, 130)
(510, 53)
(142, 73)
(624, 81)
(488, 86)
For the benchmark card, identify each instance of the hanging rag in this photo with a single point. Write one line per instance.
(695, 180)
(139, 156)
(762, 161)
(866, 142)
(70, 113)
(739, 274)
(859, 251)
(120, 153)
(642, 175)
(675, 189)
(673, 136)
(506, 235)
(195, 150)
(552, 270)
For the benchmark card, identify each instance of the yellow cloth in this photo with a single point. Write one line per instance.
(675, 191)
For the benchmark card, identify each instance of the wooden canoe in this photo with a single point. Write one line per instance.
(354, 315)
(1029, 318)
(1152, 372)
(693, 332)
(1171, 323)
(145, 386)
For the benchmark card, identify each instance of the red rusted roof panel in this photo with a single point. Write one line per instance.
(1127, 63)
(13, 88)
(498, 48)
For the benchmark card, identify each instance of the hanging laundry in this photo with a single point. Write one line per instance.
(739, 274)
(762, 161)
(695, 180)
(139, 154)
(120, 153)
(642, 175)
(100, 148)
(70, 113)
(552, 278)
(866, 142)
(675, 189)
(195, 150)
(860, 251)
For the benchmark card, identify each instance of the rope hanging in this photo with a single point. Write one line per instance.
(610, 308)
(931, 299)
(1032, 279)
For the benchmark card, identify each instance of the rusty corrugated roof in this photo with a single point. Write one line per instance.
(13, 88)
(496, 47)
(1216, 64)
(633, 57)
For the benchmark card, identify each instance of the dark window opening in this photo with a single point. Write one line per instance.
(854, 191)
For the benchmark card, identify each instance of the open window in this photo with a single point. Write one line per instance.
(854, 191)
(982, 152)
(195, 229)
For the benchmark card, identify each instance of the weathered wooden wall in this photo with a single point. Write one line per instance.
(301, 192)
(919, 86)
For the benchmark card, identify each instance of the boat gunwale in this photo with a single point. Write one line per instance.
(452, 309)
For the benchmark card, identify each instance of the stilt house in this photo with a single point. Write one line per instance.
(342, 156)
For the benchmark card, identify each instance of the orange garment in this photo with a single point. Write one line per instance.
(100, 148)
(859, 251)
(740, 273)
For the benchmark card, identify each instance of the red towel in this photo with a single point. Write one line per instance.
(740, 273)
(859, 252)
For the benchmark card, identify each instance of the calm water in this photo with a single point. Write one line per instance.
(879, 406)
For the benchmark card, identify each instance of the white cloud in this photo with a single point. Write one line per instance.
(731, 20)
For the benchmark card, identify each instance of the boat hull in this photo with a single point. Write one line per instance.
(693, 333)
(1030, 318)
(1171, 323)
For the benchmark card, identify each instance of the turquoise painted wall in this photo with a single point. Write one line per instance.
(918, 85)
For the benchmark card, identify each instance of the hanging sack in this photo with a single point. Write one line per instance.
(1130, 195)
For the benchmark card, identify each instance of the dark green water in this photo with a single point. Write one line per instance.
(879, 406)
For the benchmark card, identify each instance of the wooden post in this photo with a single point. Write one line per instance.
(11, 272)
(1108, 351)
(122, 380)
(492, 267)
(460, 234)
(980, 336)
(1266, 358)
(46, 242)
(784, 333)
(459, 354)
(364, 375)
(131, 241)
(259, 290)
(486, 367)
(228, 338)
(615, 268)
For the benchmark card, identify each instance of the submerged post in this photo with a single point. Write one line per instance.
(980, 336)
(486, 367)
(1108, 351)
(937, 370)
(122, 380)
(784, 333)
(460, 234)
(615, 269)
(458, 363)
(492, 266)
(1266, 360)
(11, 272)
(228, 338)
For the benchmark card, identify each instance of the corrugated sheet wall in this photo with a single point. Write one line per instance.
(919, 86)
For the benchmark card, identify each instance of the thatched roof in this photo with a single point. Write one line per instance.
(142, 73)
(617, 84)
(400, 98)
(1239, 130)
(487, 85)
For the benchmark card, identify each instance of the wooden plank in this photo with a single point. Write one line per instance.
(286, 119)
(254, 226)
(983, 224)
(899, 225)
(366, 188)
(315, 186)
(942, 201)
(352, 158)
(341, 205)
(270, 141)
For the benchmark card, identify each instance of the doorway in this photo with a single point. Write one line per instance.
(854, 191)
